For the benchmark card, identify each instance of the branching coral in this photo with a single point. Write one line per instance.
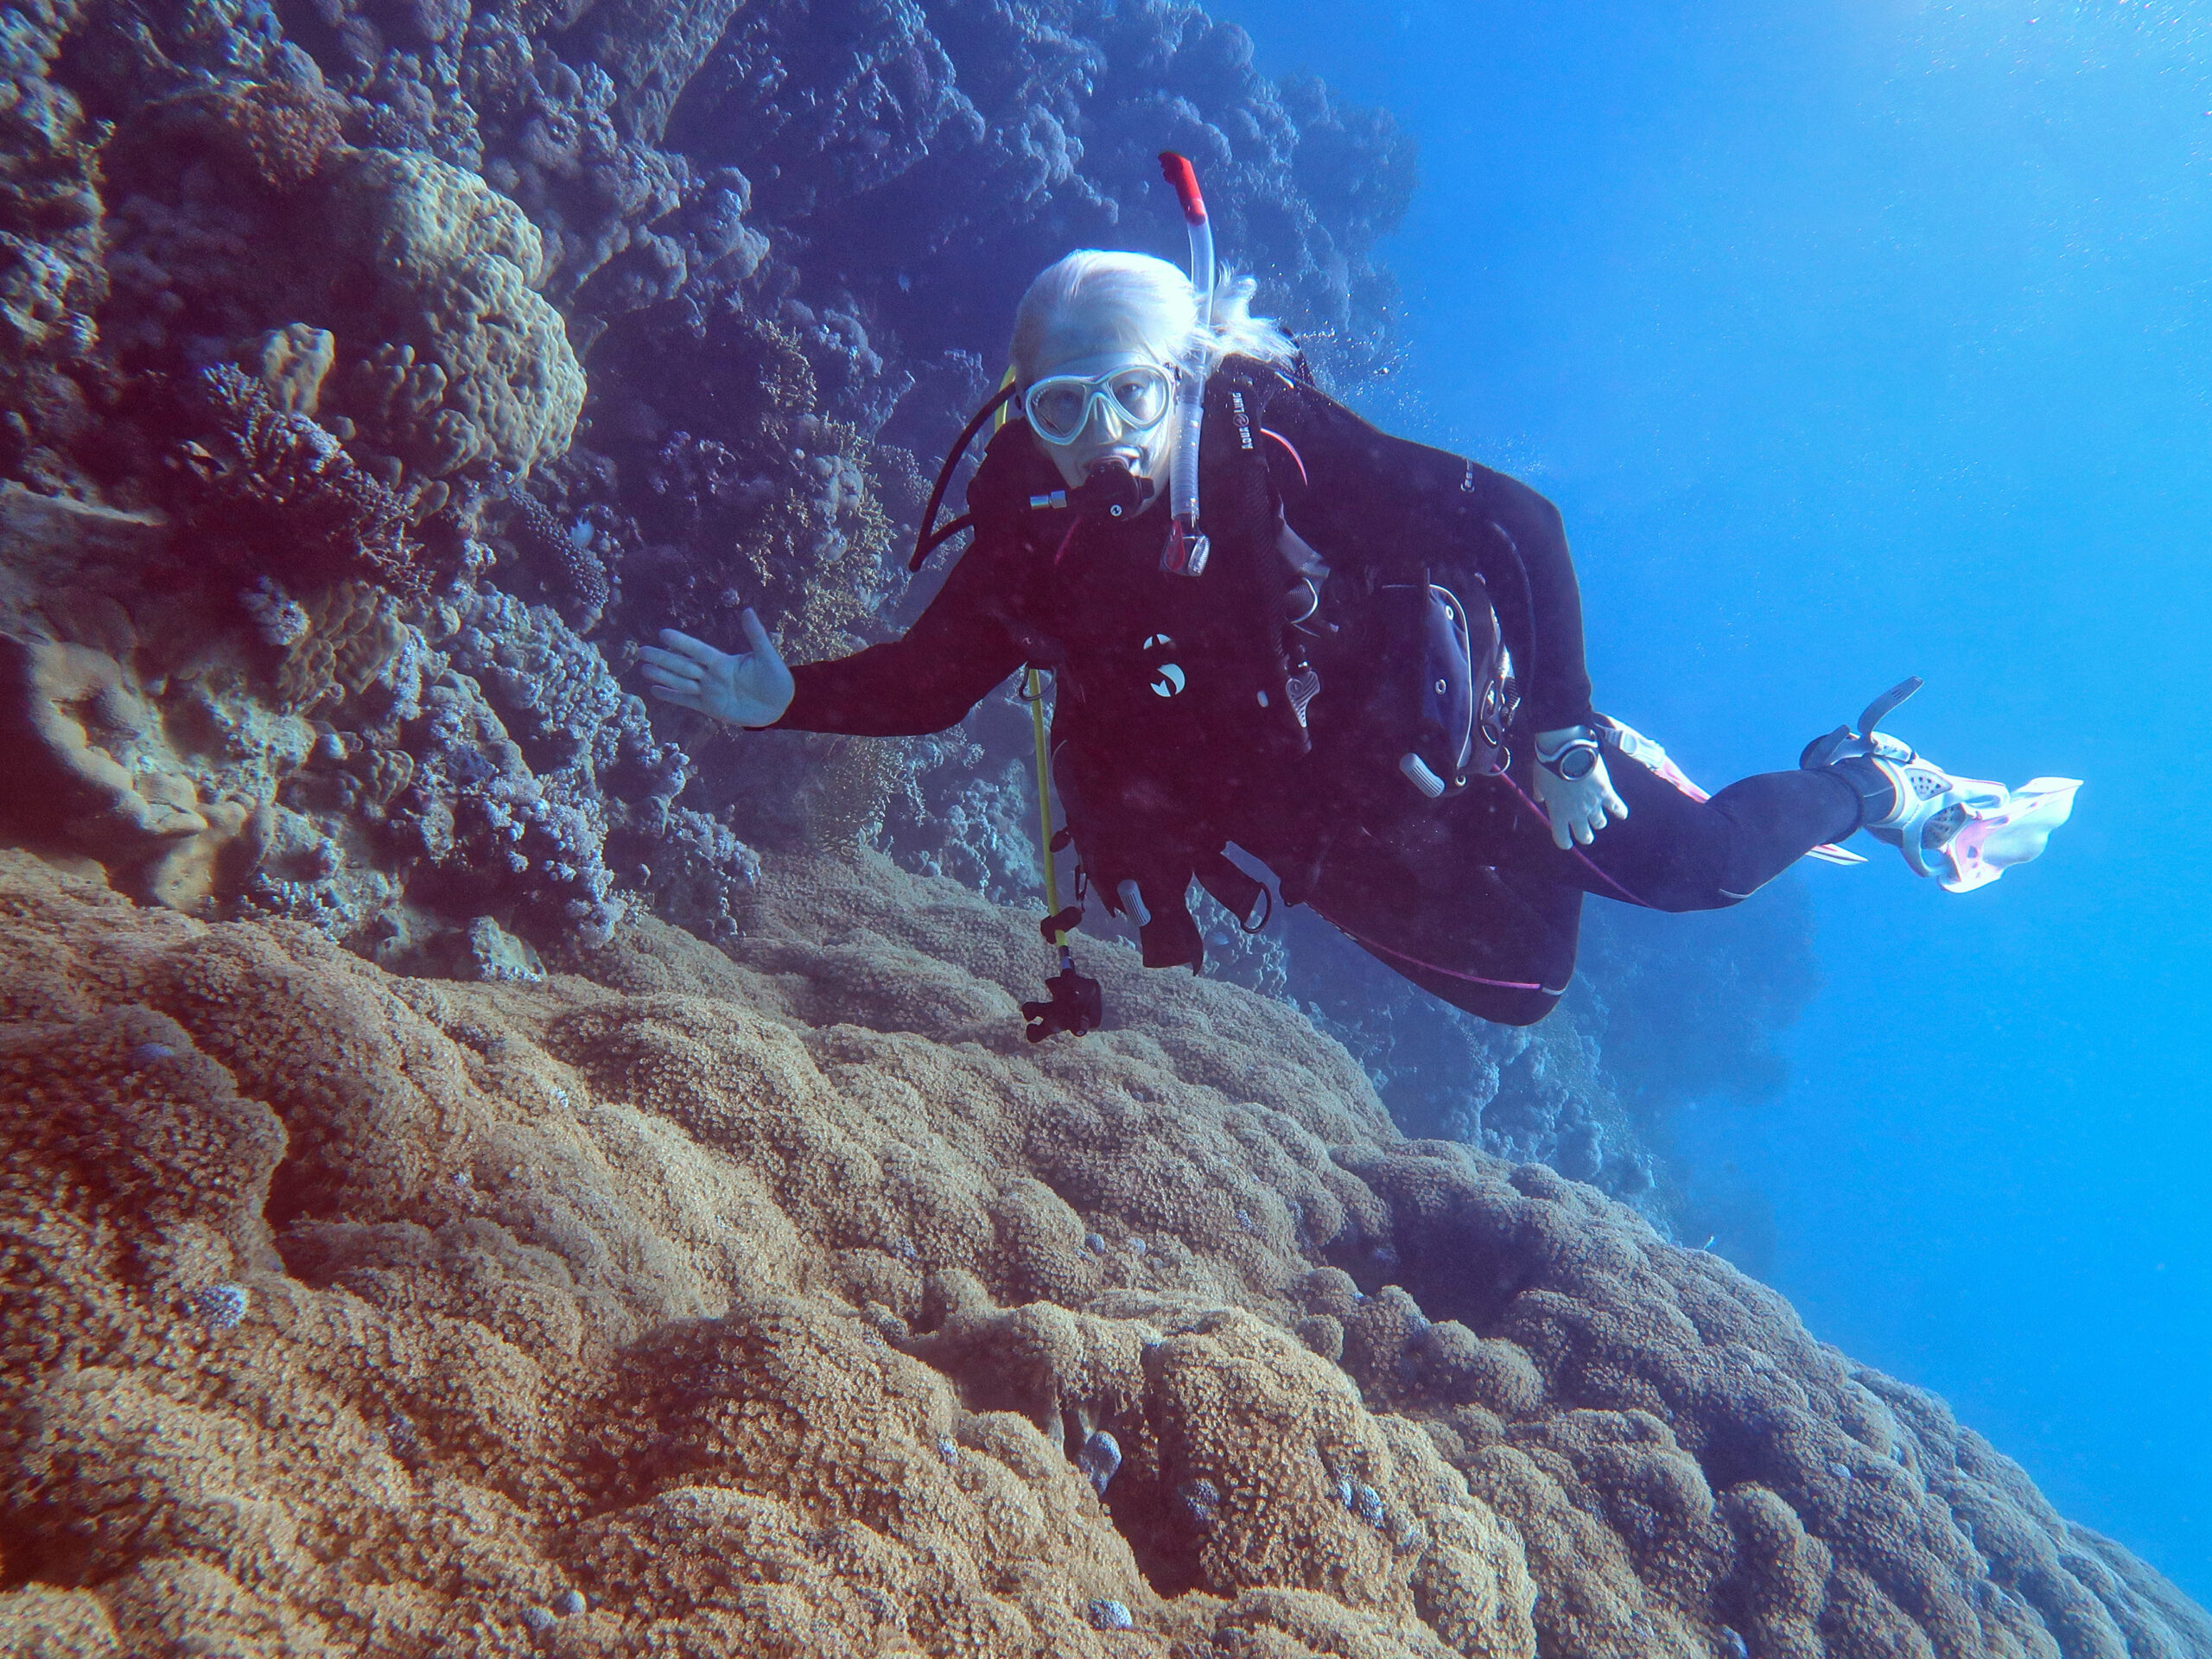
(567, 550)
(285, 486)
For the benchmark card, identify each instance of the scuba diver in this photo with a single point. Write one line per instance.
(1356, 659)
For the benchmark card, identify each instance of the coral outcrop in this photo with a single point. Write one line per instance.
(456, 268)
(784, 1301)
(402, 784)
(372, 376)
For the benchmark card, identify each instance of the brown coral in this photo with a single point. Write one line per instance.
(282, 133)
(294, 361)
(768, 1305)
(455, 269)
(91, 770)
(269, 135)
(351, 633)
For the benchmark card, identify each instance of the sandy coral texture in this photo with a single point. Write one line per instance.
(785, 1302)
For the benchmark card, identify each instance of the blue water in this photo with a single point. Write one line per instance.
(1858, 340)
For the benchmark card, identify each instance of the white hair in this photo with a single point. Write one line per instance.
(1147, 303)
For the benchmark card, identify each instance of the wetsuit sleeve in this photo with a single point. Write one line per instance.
(924, 681)
(1357, 494)
(1535, 544)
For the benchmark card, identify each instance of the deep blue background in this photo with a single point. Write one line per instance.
(1858, 340)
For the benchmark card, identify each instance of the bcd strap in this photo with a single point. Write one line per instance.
(1236, 892)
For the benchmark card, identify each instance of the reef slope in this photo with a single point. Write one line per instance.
(781, 1300)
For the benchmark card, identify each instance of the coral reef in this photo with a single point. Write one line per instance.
(314, 287)
(485, 1174)
(316, 755)
(920, 135)
(376, 374)
(784, 1301)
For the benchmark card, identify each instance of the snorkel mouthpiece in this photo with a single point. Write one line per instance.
(1188, 550)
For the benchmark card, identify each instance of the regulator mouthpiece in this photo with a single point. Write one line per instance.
(1112, 492)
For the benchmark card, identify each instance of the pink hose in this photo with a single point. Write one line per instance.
(1545, 819)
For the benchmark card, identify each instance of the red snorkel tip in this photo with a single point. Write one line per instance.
(1179, 172)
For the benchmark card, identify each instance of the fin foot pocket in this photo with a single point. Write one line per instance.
(1967, 832)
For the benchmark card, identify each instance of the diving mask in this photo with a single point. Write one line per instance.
(1136, 398)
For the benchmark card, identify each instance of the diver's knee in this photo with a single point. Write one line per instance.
(1683, 901)
(1690, 885)
(1516, 1008)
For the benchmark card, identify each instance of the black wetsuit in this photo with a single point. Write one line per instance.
(1174, 732)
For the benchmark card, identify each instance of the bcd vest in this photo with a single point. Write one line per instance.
(1267, 701)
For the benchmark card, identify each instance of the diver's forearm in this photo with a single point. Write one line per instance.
(1558, 689)
(890, 690)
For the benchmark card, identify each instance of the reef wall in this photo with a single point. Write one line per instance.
(412, 360)
(491, 1168)
(784, 1301)
(375, 374)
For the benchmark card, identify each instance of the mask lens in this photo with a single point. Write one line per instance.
(1057, 408)
(1141, 395)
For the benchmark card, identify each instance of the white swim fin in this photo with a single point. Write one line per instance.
(1965, 831)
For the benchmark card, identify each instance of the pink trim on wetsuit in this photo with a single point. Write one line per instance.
(1298, 459)
(1545, 819)
(1066, 542)
(1432, 968)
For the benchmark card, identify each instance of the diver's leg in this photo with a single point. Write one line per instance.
(1511, 965)
(1497, 942)
(1676, 853)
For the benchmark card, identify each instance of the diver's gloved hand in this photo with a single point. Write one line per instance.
(753, 688)
(1572, 785)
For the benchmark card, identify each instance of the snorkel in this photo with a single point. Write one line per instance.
(1111, 488)
(1187, 551)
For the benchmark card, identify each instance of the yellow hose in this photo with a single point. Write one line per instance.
(1032, 693)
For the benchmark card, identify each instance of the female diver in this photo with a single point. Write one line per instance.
(1361, 662)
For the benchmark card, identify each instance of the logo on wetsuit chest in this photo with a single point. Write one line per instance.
(1167, 679)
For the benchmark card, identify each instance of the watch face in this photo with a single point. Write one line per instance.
(1578, 762)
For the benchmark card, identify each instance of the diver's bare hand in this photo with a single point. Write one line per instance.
(1579, 806)
(753, 688)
